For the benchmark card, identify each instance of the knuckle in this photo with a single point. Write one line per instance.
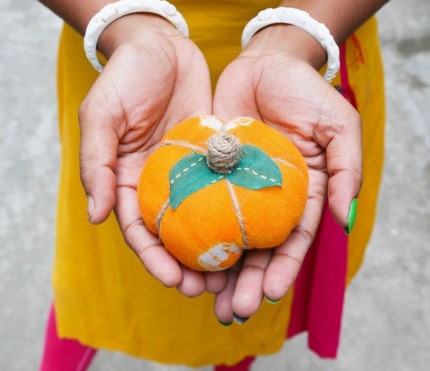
(357, 176)
(127, 231)
(83, 111)
(292, 259)
(306, 235)
(356, 117)
(254, 266)
(84, 176)
(82, 172)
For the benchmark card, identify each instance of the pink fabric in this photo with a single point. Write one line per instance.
(320, 287)
(347, 92)
(70, 355)
(244, 365)
(64, 354)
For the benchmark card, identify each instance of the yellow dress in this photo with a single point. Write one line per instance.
(104, 297)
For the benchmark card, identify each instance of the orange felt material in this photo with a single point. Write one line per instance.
(202, 221)
(271, 213)
(156, 182)
(211, 227)
(272, 142)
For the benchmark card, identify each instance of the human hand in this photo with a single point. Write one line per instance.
(154, 79)
(275, 80)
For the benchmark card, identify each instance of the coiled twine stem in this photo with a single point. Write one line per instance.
(223, 152)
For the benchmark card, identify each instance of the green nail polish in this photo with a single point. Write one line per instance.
(351, 216)
(271, 301)
(225, 324)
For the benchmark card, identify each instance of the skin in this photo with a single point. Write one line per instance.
(274, 79)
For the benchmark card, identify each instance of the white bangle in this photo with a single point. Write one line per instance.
(113, 11)
(303, 20)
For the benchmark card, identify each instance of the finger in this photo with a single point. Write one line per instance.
(147, 246)
(343, 145)
(192, 95)
(192, 284)
(223, 308)
(98, 153)
(248, 293)
(288, 258)
(345, 179)
(215, 281)
(235, 97)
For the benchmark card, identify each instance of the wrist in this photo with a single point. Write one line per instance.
(128, 29)
(135, 28)
(287, 40)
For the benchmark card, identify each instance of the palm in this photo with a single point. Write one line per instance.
(295, 100)
(159, 88)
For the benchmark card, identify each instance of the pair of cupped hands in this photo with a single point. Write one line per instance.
(154, 79)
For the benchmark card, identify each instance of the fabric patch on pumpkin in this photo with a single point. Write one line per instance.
(256, 170)
(212, 259)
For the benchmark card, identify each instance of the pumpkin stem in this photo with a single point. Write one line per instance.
(223, 152)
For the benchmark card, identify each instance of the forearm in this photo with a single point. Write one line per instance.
(78, 13)
(342, 18)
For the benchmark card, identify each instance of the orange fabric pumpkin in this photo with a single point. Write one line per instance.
(207, 218)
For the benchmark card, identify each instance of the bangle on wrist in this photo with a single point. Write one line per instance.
(113, 11)
(303, 20)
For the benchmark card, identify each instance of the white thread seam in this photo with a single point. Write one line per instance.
(177, 176)
(217, 179)
(262, 176)
(238, 213)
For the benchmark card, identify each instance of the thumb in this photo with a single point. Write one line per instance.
(344, 165)
(98, 157)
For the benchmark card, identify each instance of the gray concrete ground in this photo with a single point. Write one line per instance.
(386, 321)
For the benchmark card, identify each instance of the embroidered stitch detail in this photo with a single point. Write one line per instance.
(256, 171)
(177, 176)
(238, 213)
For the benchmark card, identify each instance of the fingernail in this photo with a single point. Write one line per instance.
(90, 207)
(225, 324)
(351, 216)
(239, 320)
(271, 301)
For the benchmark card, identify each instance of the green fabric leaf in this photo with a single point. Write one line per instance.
(256, 170)
(189, 175)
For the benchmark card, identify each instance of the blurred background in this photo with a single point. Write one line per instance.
(386, 324)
